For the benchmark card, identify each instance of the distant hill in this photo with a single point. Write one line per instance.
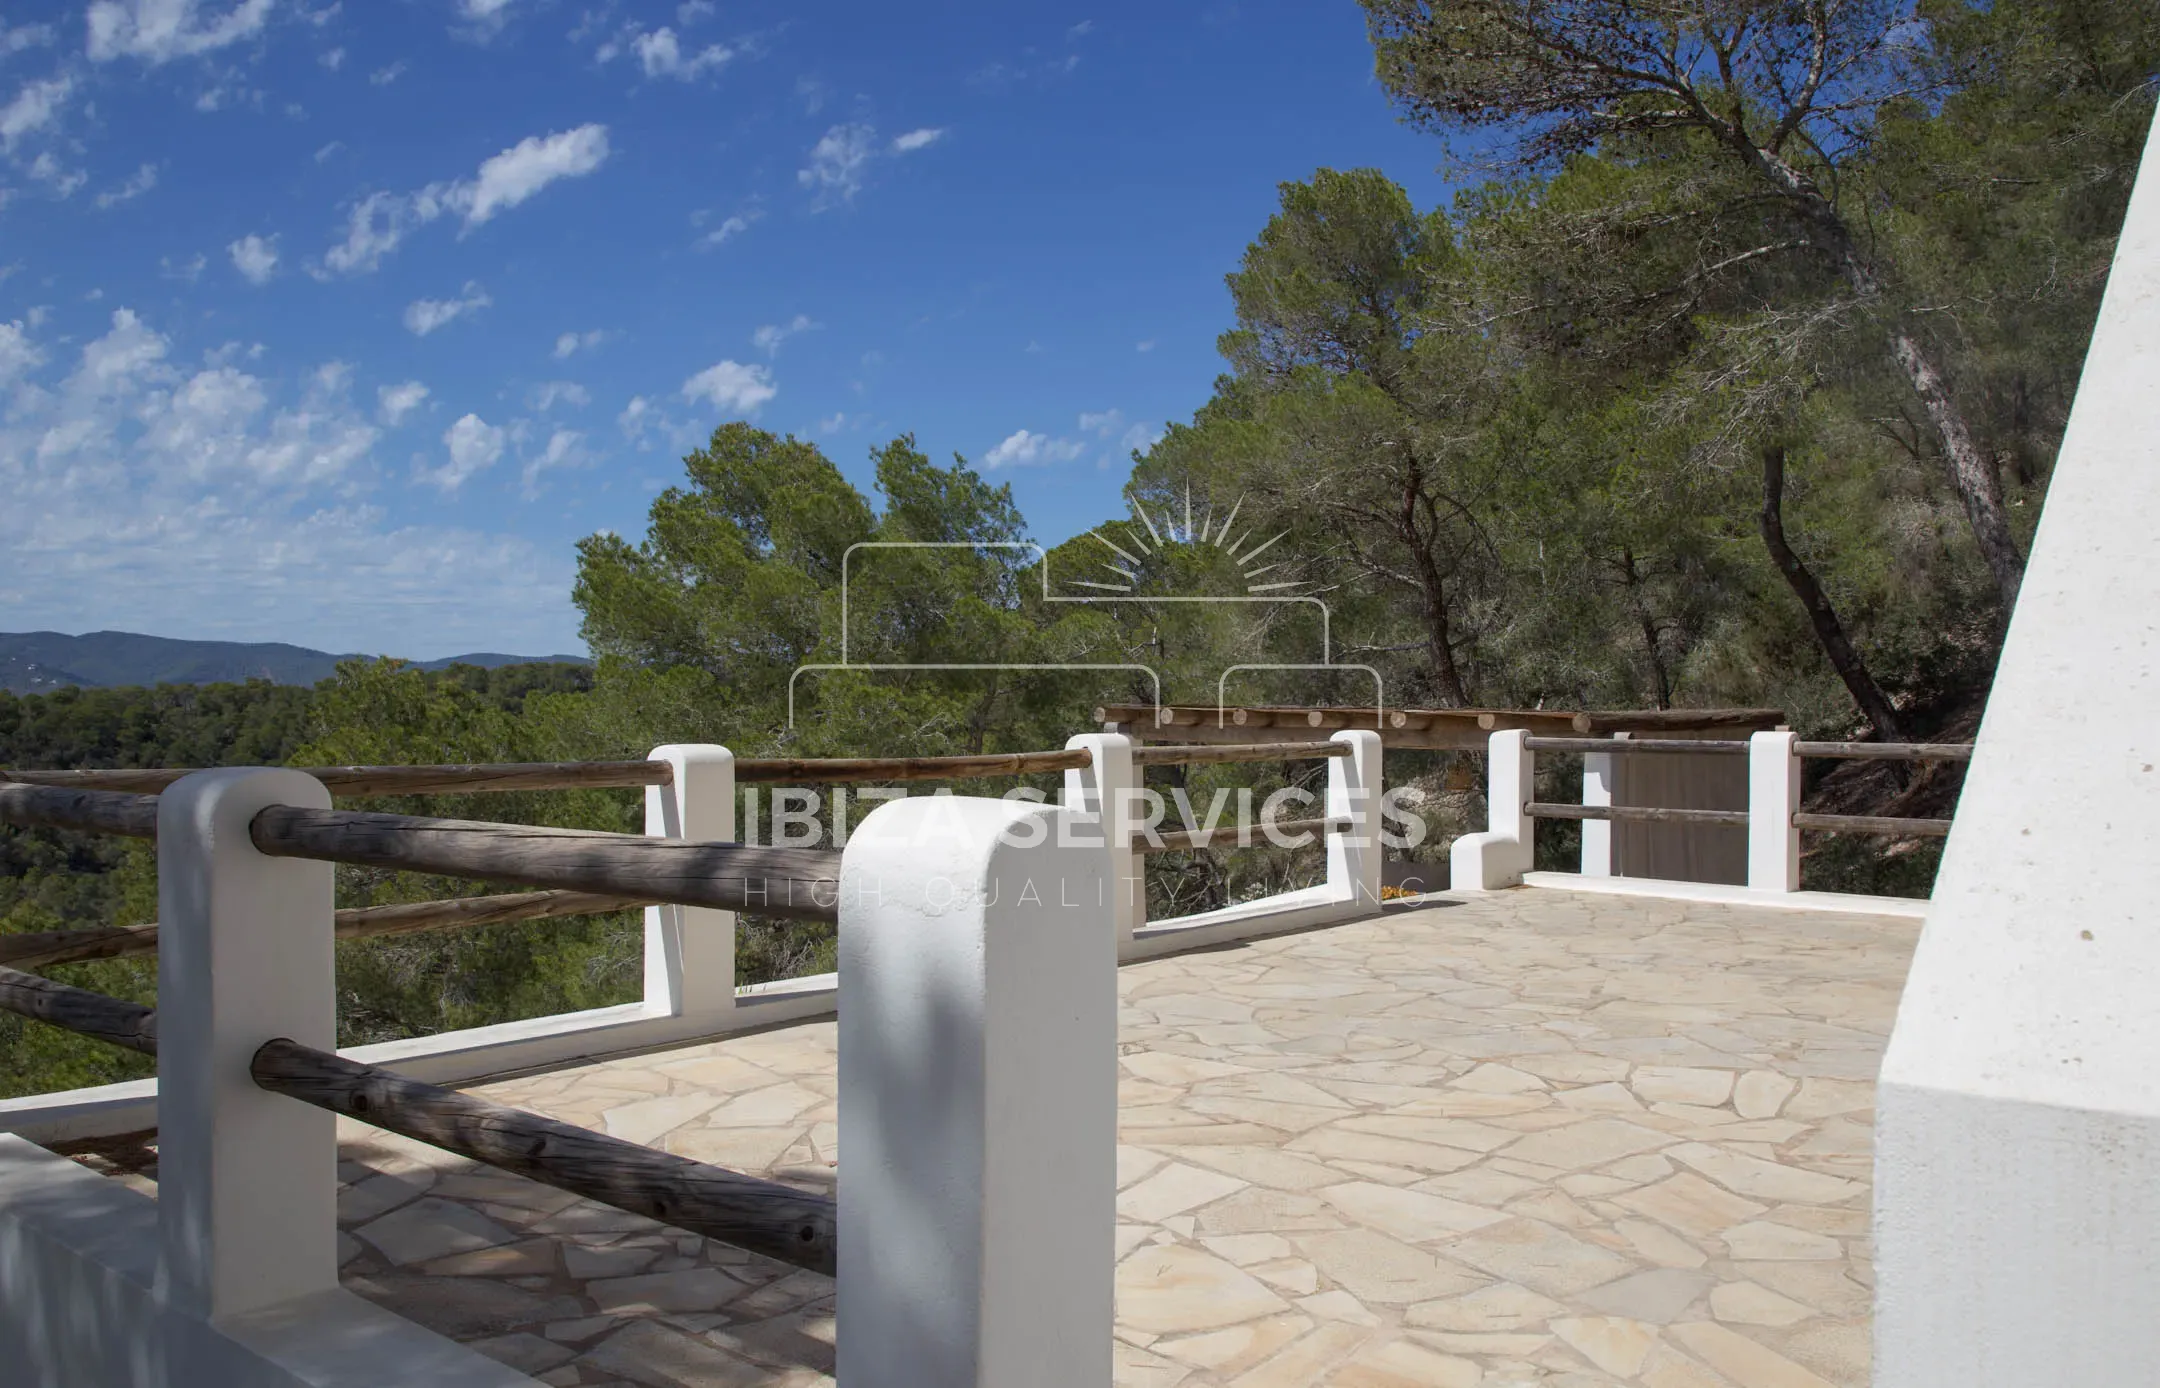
(36, 662)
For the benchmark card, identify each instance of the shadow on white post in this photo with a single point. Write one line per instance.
(1600, 782)
(1111, 783)
(978, 1098)
(1353, 793)
(690, 950)
(1773, 844)
(247, 1179)
(1501, 855)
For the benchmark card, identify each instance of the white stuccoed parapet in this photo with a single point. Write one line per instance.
(2017, 1211)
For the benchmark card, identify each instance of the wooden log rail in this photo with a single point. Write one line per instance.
(1635, 813)
(761, 1216)
(1886, 751)
(1177, 754)
(357, 782)
(1872, 824)
(1634, 744)
(88, 811)
(1239, 836)
(45, 948)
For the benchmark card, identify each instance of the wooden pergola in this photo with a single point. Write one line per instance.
(1417, 729)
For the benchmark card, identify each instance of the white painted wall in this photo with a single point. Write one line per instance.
(1499, 856)
(2017, 1212)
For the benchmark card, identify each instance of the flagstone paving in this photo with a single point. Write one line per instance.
(1531, 1138)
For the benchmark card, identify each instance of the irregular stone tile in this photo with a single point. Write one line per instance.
(1412, 1214)
(427, 1229)
(1538, 1256)
(737, 1149)
(1690, 1204)
(697, 1289)
(1761, 1093)
(1134, 1367)
(1679, 1084)
(1167, 1068)
(1173, 1190)
(1654, 1243)
(1337, 1305)
(1377, 1269)
(528, 1354)
(1764, 1180)
(1258, 1210)
(1405, 1364)
(763, 1108)
(1494, 1078)
(378, 1195)
(1479, 1185)
(1307, 1359)
(647, 1119)
(1233, 1350)
(1613, 1343)
(1659, 1296)
(1336, 1142)
(1264, 1166)
(533, 1257)
(1171, 1290)
(1746, 1303)
(1134, 1163)
(588, 1263)
(1248, 1249)
(646, 1352)
(1743, 1360)
(1777, 1243)
(1501, 1306)
(1592, 1142)
(1824, 1098)
(1601, 1098)
(463, 1308)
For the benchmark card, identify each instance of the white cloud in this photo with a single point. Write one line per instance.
(1147, 346)
(1131, 438)
(188, 271)
(485, 18)
(35, 107)
(18, 354)
(255, 257)
(530, 165)
(474, 446)
(917, 139)
(833, 423)
(731, 386)
(768, 338)
(690, 12)
(564, 449)
(393, 403)
(333, 59)
(838, 162)
(1024, 448)
(423, 316)
(548, 394)
(634, 415)
(136, 184)
(570, 344)
(24, 36)
(379, 223)
(661, 54)
(158, 31)
(63, 181)
(384, 76)
(1081, 30)
(735, 225)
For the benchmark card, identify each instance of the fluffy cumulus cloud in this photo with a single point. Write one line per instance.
(1025, 448)
(158, 31)
(423, 316)
(473, 446)
(221, 496)
(768, 338)
(1112, 426)
(838, 163)
(130, 188)
(917, 139)
(661, 54)
(394, 403)
(379, 223)
(35, 107)
(565, 448)
(731, 386)
(255, 257)
(728, 228)
(570, 344)
(483, 19)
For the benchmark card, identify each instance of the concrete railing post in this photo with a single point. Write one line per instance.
(1600, 782)
(1501, 855)
(1108, 789)
(690, 950)
(1353, 793)
(978, 1099)
(247, 1179)
(1773, 845)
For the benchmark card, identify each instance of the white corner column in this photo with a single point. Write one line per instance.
(1108, 790)
(1353, 793)
(2017, 1135)
(1600, 781)
(978, 1099)
(247, 1179)
(1501, 855)
(1773, 844)
(690, 950)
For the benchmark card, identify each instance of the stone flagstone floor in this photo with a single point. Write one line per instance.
(1536, 1138)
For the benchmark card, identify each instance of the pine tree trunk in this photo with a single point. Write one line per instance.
(1829, 631)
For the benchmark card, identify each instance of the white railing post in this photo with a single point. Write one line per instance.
(1353, 793)
(1773, 844)
(1501, 855)
(247, 1179)
(1600, 781)
(1107, 789)
(978, 1098)
(690, 950)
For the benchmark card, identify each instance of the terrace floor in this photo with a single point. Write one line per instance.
(1534, 1138)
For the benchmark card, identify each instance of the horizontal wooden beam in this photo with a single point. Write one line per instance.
(1631, 745)
(1174, 754)
(355, 782)
(45, 948)
(798, 883)
(1761, 720)
(764, 1217)
(842, 770)
(1648, 814)
(127, 1024)
(1872, 824)
(85, 811)
(1886, 751)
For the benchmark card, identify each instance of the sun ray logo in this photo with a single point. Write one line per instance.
(1146, 536)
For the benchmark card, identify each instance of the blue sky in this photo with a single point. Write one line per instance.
(340, 323)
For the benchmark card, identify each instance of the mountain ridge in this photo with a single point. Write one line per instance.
(38, 662)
